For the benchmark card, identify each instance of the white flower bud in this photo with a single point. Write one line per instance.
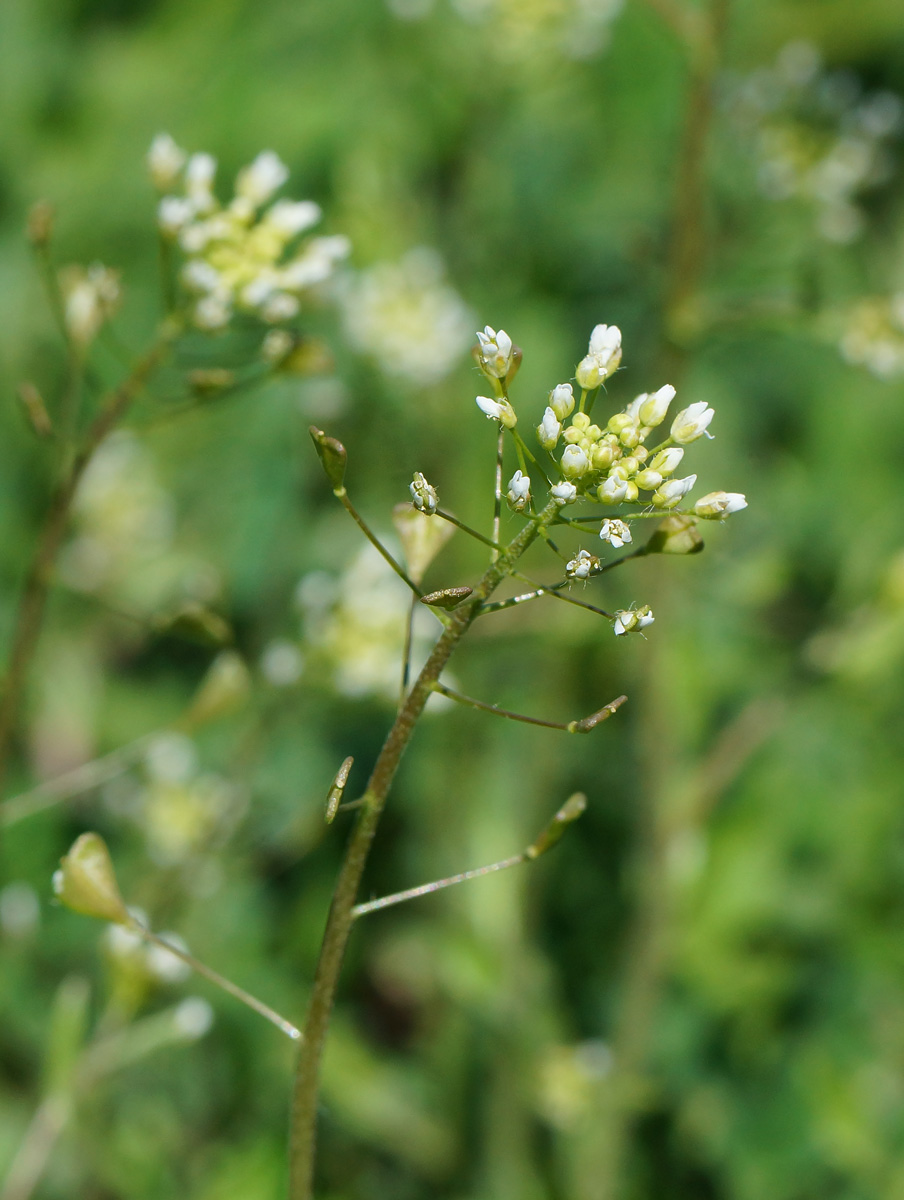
(423, 494)
(496, 352)
(603, 356)
(615, 532)
(257, 182)
(213, 312)
(199, 174)
(691, 423)
(673, 491)
(498, 410)
(666, 462)
(518, 493)
(612, 490)
(632, 620)
(656, 405)
(291, 217)
(575, 462)
(165, 161)
(281, 306)
(548, 430)
(564, 492)
(719, 504)
(561, 400)
(173, 213)
(582, 566)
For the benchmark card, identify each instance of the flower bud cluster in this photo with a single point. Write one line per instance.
(423, 494)
(243, 256)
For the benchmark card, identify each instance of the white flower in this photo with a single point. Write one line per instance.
(200, 276)
(692, 422)
(213, 312)
(281, 306)
(564, 493)
(561, 400)
(518, 492)
(496, 352)
(165, 161)
(90, 297)
(666, 462)
(276, 345)
(582, 566)
(192, 1018)
(199, 174)
(575, 462)
(163, 964)
(652, 411)
(291, 217)
(423, 494)
(615, 532)
(612, 490)
(548, 430)
(632, 620)
(603, 356)
(719, 504)
(670, 493)
(498, 410)
(173, 213)
(257, 182)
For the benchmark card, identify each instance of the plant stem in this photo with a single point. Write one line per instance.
(339, 922)
(427, 889)
(30, 614)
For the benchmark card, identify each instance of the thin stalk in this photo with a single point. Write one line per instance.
(467, 529)
(427, 889)
(264, 1010)
(582, 726)
(342, 496)
(497, 491)
(340, 920)
(30, 614)
(406, 653)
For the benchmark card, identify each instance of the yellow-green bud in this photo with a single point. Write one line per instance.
(648, 480)
(86, 881)
(333, 456)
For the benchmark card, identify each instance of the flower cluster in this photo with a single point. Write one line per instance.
(818, 138)
(244, 256)
(407, 317)
(610, 463)
(873, 335)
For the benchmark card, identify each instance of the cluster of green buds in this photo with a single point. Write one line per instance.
(244, 256)
(612, 463)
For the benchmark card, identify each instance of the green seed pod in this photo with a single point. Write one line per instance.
(86, 881)
(333, 456)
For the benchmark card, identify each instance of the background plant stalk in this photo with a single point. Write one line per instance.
(303, 1127)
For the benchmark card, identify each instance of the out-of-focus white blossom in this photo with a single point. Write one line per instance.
(254, 264)
(193, 1018)
(408, 318)
(165, 161)
(873, 335)
(528, 34)
(90, 297)
(282, 663)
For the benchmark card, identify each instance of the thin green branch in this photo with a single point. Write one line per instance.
(446, 516)
(342, 496)
(427, 889)
(582, 726)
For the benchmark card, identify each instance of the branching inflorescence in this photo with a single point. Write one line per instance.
(245, 258)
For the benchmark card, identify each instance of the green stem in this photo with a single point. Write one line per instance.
(30, 615)
(339, 922)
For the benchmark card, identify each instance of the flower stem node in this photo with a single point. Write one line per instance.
(498, 410)
(333, 457)
(561, 400)
(716, 506)
(583, 565)
(615, 532)
(423, 494)
(632, 620)
(676, 534)
(673, 491)
(86, 881)
(518, 494)
(564, 492)
(495, 353)
(692, 422)
(549, 429)
(602, 359)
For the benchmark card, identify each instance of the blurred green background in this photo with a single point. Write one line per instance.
(700, 994)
